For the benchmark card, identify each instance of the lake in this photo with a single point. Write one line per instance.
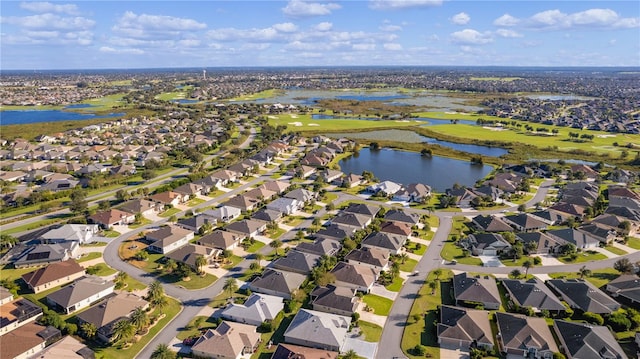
(412, 137)
(409, 167)
(35, 116)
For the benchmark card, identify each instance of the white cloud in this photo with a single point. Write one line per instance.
(323, 26)
(401, 4)
(390, 28)
(364, 47)
(592, 18)
(251, 35)
(189, 43)
(392, 46)
(286, 27)
(34, 29)
(471, 37)
(299, 8)
(506, 20)
(461, 19)
(154, 26)
(47, 7)
(508, 33)
(112, 50)
(50, 21)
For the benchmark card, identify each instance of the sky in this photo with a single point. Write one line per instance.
(158, 34)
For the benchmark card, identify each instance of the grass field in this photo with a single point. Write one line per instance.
(371, 332)
(380, 305)
(306, 124)
(598, 277)
(258, 95)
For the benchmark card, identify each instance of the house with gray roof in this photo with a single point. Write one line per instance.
(220, 239)
(625, 288)
(81, 233)
(247, 227)
(297, 262)
(302, 195)
(286, 205)
(463, 328)
(392, 242)
(194, 223)
(255, 310)
(334, 231)
(277, 282)
(581, 240)
(550, 217)
(477, 289)
(189, 253)
(80, 294)
(490, 223)
(228, 340)
(168, 238)
(244, 203)
(386, 188)
(544, 243)
(354, 220)
(224, 214)
(268, 215)
(583, 295)
(356, 276)
(363, 209)
(108, 312)
(334, 299)
(485, 244)
(318, 330)
(524, 222)
(602, 233)
(525, 337)
(143, 206)
(374, 257)
(320, 247)
(532, 293)
(396, 215)
(579, 341)
(45, 254)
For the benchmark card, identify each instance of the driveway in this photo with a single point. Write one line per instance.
(451, 353)
(362, 348)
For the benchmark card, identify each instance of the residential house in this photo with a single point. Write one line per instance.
(374, 257)
(278, 283)
(296, 262)
(330, 176)
(524, 222)
(108, 312)
(464, 328)
(414, 192)
(550, 217)
(334, 231)
(490, 223)
(396, 215)
(318, 330)
(581, 240)
(302, 195)
(286, 206)
(168, 238)
(5, 296)
(189, 190)
(478, 289)
(568, 210)
(320, 247)
(143, 206)
(189, 253)
(243, 203)
(392, 242)
(56, 185)
(580, 340)
(53, 275)
(225, 177)
(301, 171)
(224, 214)
(258, 308)
(169, 198)
(335, 299)
(543, 243)
(219, 239)
(485, 244)
(586, 170)
(290, 351)
(615, 223)
(194, 223)
(490, 192)
(45, 254)
(525, 337)
(351, 180)
(16, 313)
(385, 188)
(532, 293)
(624, 197)
(602, 233)
(23, 342)
(583, 295)
(261, 194)
(625, 288)
(355, 276)
(82, 233)
(397, 228)
(354, 220)
(462, 195)
(80, 294)
(112, 217)
(268, 215)
(209, 184)
(247, 227)
(228, 340)
(276, 186)
(67, 348)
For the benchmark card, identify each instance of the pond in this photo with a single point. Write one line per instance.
(412, 137)
(409, 167)
(35, 116)
(184, 101)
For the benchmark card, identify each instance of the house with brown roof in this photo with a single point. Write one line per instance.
(334, 299)
(189, 253)
(112, 217)
(168, 238)
(355, 276)
(397, 228)
(243, 203)
(247, 227)
(525, 337)
(392, 242)
(374, 257)
(23, 342)
(464, 328)
(478, 289)
(108, 312)
(225, 176)
(16, 313)
(219, 239)
(291, 351)
(228, 341)
(169, 198)
(276, 186)
(53, 275)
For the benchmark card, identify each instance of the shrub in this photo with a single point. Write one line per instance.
(619, 322)
(419, 350)
(593, 318)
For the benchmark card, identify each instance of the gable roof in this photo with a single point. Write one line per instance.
(491, 223)
(189, 253)
(295, 261)
(320, 247)
(351, 219)
(258, 307)
(532, 293)
(79, 290)
(465, 324)
(52, 272)
(109, 217)
(318, 328)
(218, 239)
(112, 309)
(396, 215)
(359, 275)
(570, 235)
(227, 340)
(588, 341)
(392, 242)
(336, 297)
(543, 241)
(524, 220)
(290, 351)
(476, 289)
(334, 231)
(246, 226)
(584, 295)
(370, 255)
(278, 281)
(522, 332)
(165, 236)
(361, 208)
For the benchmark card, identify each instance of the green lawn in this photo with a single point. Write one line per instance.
(170, 212)
(413, 248)
(583, 257)
(517, 262)
(615, 250)
(191, 330)
(372, 332)
(89, 256)
(234, 260)
(255, 247)
(380, 305)
(170, 311)
(195, 281)
(335, 125)
(143, 222)
(450, 251)
(111, 234)
(275, 234)
(194, 202)
(598, 277)
(396, 285)
(408, 265)
(634, 243)
(102, 270)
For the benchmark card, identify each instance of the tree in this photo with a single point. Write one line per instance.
(433, 285)
(230, 286)
(155, 292)
(170, 266)
(123, 331)
(201, 261)
(140, 319)
(515, 274)
(89, 330)
(374, 146)
(255, 266)
(162, 351)
(258, 257)
(325, 279)
(527, 265)
(121, 279)
(7, 241)
(78, 204)
(584, 272)
(522, 208)
(275, 244)
(623, 265)
(350, 354)
(437, 272)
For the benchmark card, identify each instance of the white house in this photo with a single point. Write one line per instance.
(286, 205)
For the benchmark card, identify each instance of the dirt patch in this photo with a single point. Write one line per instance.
(128, 251)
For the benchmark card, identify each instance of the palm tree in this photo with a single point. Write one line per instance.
(351, 354)
(160, 302)
(201, 261)
(230, 286)
(123, 330)
(162, 351)
(275, 244)
(121, 279)
(89, 330)
(584, 272)
(170, 266)
(433, 285)
(140, 319)
(403, 258)
(258, 257)
(155, 291)
(526, 265)
(437, 272)
(515, 273)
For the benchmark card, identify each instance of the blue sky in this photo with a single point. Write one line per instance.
(142, 34)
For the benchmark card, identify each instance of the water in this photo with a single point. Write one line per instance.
(409, 167)
(559, 97)
(427, 121)
(184, 101)
(35, 116)
(80, 105)
(412, 137)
